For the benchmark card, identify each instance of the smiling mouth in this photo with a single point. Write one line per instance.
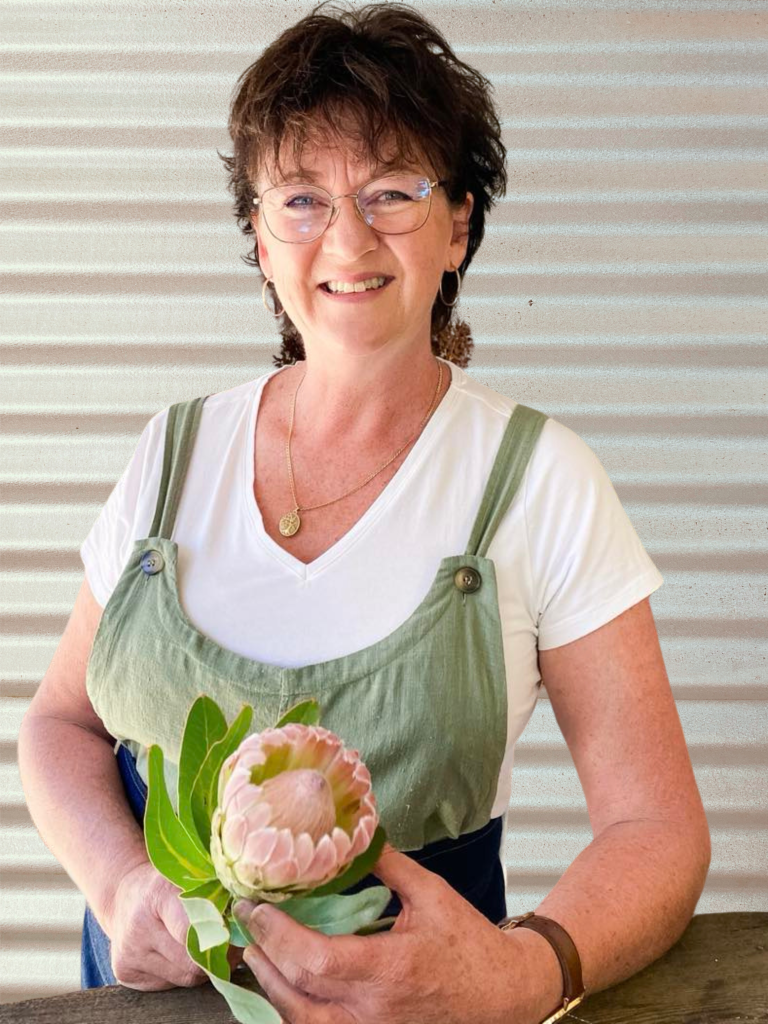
(328, 291)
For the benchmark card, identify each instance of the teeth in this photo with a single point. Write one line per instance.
(359, 286)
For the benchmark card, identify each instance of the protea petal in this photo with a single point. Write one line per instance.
(281, 868)
(248, 802)
(259, 846)
(325, 865)
(343, 844)
(234, 833)
(304, 851)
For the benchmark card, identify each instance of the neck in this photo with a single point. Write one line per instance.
(364, 401)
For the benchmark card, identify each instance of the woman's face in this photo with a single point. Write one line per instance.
(400, 314)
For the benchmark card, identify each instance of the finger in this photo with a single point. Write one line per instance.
(161, 974)
(291, 1003)
(184, 974)
(413, 883)
(170, 941)
(176, 963)
(139, 980)
(174, 917)
(309, 959)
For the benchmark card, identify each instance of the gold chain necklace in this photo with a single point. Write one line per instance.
(290, 523)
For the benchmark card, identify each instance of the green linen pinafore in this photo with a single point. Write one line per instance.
(426, 706)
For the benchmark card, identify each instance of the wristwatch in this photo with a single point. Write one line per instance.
(570, 962)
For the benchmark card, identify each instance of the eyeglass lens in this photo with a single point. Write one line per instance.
(394, 204)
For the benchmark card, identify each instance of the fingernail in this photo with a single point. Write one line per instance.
(260, 923)
(243, 909)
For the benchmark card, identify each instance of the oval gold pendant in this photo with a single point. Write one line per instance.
(289, 524)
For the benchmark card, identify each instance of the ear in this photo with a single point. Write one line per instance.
(462, 215)
(264, 261)
(461, 228)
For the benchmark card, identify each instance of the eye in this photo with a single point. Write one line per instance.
(389, 192)
(293, 203)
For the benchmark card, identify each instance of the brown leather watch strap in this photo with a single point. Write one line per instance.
(561, 942)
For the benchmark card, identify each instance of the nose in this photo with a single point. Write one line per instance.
(352, 237)
(337, 209)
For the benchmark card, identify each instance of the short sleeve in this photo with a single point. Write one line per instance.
(127, 513)
(588, 564)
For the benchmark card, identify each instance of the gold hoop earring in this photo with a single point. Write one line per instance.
(458, 289)
(264, 298)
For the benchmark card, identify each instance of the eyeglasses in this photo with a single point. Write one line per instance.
(395, 204)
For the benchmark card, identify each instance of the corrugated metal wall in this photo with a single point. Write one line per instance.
(621, 288)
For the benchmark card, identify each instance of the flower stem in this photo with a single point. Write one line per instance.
(383, 924)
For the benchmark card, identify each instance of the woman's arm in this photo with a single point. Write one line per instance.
(629, 895)
(69, 773)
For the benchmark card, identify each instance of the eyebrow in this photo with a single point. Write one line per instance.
(307, 174)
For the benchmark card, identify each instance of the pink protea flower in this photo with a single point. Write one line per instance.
(295, 808)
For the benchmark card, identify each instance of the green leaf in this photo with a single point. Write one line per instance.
(211, 889)
(213, 961)
(247, 1006)
(206, 784)
(338, 915)
(238, 933)
(205, 905)
(207, 922)
(204, 726)
(359, 868)
(170, 847)
(305, 713)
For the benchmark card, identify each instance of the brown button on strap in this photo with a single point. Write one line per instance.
(152, 562)
(467, 579)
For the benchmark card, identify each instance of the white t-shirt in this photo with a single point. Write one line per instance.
(567, 557)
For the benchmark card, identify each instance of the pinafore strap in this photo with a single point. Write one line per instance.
(180, 431)
(517, 444)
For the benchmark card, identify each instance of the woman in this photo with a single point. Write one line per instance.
(368, 525)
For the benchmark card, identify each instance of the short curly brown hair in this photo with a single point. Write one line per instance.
(395, 72)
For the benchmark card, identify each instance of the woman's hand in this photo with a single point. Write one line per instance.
(148, 932)
(442, 961)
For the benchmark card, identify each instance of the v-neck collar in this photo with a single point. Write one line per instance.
(388, 494)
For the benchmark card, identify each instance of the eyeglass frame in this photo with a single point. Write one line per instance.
(347, 195)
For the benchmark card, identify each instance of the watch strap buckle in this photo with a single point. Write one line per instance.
(565, 1008)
